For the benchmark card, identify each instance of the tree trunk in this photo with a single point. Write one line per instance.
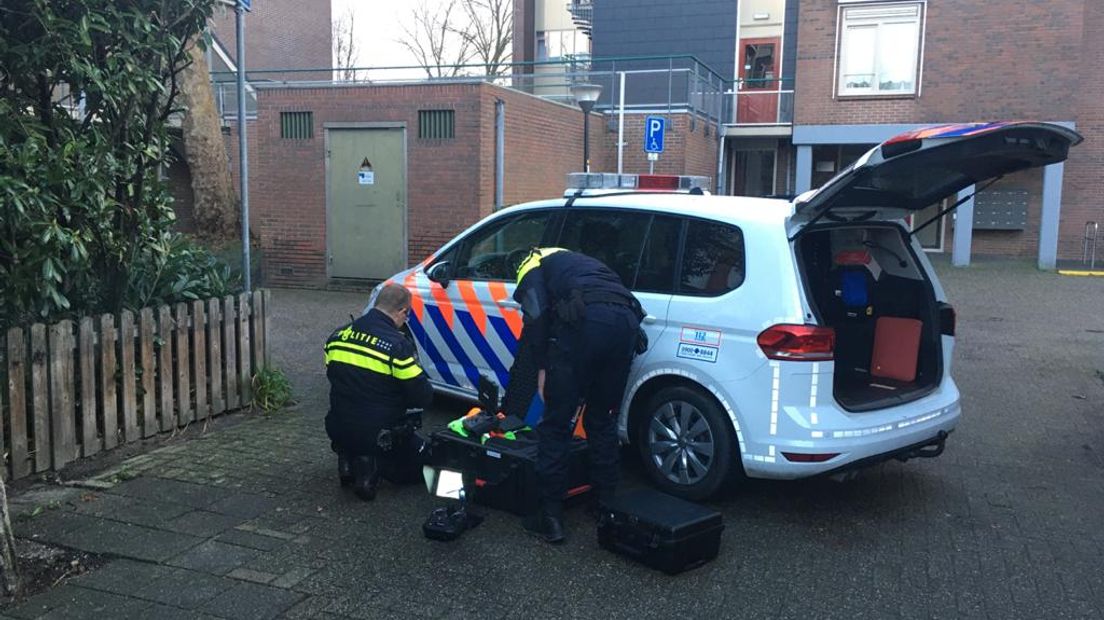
(216, 202)
(9, 569)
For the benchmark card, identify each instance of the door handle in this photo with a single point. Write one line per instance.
(649, 319)
(511, 304)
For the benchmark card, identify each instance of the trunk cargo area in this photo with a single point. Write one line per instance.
(865, 282)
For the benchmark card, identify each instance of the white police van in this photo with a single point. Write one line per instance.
(763, 315)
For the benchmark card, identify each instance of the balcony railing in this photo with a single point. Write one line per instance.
(664, 84)
(226, 98)
(765, 102)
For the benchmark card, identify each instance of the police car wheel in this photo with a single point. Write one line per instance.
(686, 443)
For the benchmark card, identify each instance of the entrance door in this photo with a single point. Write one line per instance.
(757, 101)
(366, 210)
(753, 172)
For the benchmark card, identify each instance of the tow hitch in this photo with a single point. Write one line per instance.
(927, 451)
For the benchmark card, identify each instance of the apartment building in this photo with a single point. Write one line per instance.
(815, 83)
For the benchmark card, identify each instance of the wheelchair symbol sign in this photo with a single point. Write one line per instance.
(654, 127)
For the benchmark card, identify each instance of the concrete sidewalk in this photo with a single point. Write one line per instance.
(249, 522)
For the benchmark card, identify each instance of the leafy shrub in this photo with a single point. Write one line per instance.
(271, 389)
(175, 268)
(87, 88)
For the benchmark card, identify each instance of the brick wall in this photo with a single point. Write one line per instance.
(985, 61)
(280, 34)
(981, 61)
(543, 143)
(686, 150)
(1081, 200)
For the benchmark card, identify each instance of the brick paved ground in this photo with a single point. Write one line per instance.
(248, 521)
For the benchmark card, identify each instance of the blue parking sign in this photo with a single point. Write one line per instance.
(653, 134)
(246, 4)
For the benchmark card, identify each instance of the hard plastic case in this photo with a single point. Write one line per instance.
(896, 348)
(660, 531)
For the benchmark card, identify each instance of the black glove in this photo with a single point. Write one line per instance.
(641, 341)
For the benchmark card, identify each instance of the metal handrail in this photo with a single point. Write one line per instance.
(526, 63)
(1088, 244)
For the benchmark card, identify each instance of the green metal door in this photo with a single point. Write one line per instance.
(366, 193)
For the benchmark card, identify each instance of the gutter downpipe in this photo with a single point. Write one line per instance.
(621, 128)
(500, 153)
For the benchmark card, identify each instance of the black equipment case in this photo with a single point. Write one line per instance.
(501, 473)
(660, 531)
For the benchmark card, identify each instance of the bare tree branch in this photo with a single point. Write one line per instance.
(345, 48)
(489, 31)
(431, 36)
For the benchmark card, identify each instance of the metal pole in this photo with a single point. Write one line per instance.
(621, 128)
(586, 141)
(500, 152)
(243, 155)
(720, 161)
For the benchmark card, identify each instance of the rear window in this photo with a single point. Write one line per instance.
(712, 259)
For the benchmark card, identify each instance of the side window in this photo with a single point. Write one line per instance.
(495, 251)
(657, 262)
(713, 259)
(613, 237)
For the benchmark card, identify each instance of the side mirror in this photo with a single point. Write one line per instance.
(441, 273)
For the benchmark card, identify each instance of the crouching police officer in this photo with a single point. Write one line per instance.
(374, 380)
(584, 327)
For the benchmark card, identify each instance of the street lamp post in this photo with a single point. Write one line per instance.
(586, 95)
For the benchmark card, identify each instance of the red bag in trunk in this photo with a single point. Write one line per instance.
(896, 348)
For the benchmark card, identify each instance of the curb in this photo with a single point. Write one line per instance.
(1079, 272)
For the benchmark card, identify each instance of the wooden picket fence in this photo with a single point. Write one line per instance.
(76, 388)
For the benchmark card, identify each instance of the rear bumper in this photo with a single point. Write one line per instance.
(920, 434)
(930, 448)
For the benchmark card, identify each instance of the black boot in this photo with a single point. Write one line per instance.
(345, 469)
(366, 477)
(544, 526)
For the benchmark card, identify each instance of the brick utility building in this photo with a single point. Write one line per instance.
(359, 181)
(815, 83)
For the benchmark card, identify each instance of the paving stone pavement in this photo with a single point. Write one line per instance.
(249, 522)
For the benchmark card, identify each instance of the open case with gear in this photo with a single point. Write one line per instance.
(495, 445)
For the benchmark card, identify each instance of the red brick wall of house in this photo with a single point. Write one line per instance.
(280, 34)
(984, 61)
(1081, 200)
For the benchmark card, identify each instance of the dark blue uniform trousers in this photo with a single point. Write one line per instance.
(588, 362)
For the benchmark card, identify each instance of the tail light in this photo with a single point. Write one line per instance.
(798, 343)
(947, 319)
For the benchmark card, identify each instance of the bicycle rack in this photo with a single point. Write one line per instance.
(1088, 244)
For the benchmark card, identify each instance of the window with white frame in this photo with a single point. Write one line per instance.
(880, 48)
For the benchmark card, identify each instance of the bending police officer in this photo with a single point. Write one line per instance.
(583, 325)
(374, 379)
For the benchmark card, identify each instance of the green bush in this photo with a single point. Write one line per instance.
(87, 88)
(174, 269)
(271, 389)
